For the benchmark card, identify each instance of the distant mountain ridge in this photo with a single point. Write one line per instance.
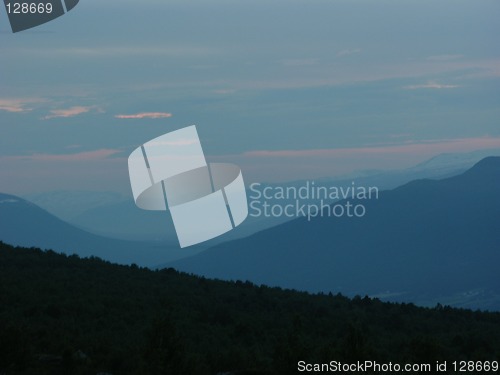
(456, 160)
(426, 241)
(68, 204)
(114, 215)
(25, 224)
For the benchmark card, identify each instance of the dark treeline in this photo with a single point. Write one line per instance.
(65, 315)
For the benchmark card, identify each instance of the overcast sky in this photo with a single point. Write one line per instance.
(286, 89)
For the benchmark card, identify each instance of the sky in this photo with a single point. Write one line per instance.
(285, 89)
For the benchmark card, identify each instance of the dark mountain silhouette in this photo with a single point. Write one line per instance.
(64, 315)
(426, 241)
(25, 224)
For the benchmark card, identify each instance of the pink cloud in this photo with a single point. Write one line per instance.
(224, 91)
(347, 52)
(289, 165)
(81, 156)
(151, 115)
(92, 170)
(18, 105)
(424, 147)
(70, 112)
(444, 57)
(431, 85)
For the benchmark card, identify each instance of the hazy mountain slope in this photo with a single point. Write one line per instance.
(68, 204)
(425, 241)
(126, 220)
(25, 224)
(112, 215)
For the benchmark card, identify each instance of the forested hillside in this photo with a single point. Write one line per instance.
(65, 315)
